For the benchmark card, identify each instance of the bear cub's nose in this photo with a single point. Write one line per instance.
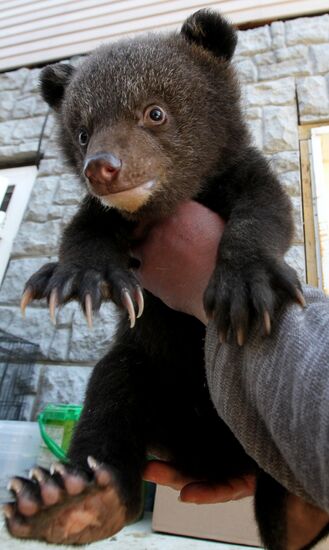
(101, 169)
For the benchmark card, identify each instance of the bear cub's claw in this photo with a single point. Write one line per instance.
(66, 505)
(236, 299)
(60, 283)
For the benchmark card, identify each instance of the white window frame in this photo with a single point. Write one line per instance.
(22, 179)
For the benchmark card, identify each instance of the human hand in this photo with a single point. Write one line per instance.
(198, 492)
(178, 257)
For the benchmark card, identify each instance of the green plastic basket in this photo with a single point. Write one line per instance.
(61, 416)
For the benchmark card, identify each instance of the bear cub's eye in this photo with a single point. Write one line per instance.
(83, 136)
(154, 115)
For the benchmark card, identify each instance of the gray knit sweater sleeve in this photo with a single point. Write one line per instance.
(273, 393)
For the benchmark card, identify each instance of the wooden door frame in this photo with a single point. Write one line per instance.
(305, 134)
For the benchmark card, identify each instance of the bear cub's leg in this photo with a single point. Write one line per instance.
(91, 498)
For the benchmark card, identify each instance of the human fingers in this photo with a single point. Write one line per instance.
(209, 493)
(163, 473)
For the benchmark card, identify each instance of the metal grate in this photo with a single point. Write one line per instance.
(17, 375)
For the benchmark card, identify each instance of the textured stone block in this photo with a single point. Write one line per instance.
(256, 130)
(91, 344)
(291, 183)
(320, 55)
(32, 83)
(41, 199)
(62, 384)
(69, 190)
(52, 167)
(313, 98)
(20, 152)
(306, 30)
(28, 128)
(298, 53)
(62, 212)
(252, 113)
(290, 67)
(253, 41)
(7, 103)
(13, 80)
(60, 345)
(286, 161)
(296, 258)
(280, 129)
(37, 238)
(247, 71)
(29, 106)
(266, 58)
(276, 92)
(35, 328)
(6, 131)
(278, 34)
(18, 272)
(64, 315)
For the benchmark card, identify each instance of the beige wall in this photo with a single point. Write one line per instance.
(37, 31)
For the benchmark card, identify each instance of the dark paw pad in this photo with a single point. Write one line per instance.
(66, 505)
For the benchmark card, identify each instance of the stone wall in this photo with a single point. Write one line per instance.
(284, 69)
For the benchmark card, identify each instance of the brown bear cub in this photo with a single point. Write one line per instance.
(148, 123)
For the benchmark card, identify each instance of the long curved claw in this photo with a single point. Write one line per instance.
(300, 298)
(89, 310)
(8, 511)
(240, 336)
(53, 303)
(140, 301)
(222, 336)
(128, 304)
(26, 299)
(267, 323)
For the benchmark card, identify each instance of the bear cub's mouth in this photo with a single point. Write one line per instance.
(126, 198)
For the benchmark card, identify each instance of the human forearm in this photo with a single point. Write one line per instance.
(273, 394)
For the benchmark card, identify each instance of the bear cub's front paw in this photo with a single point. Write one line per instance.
(236, 298)
(59, 283)
(66, 505)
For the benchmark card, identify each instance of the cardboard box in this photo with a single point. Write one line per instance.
(231, 522)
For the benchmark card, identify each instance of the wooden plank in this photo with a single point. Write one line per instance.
(80, 35)
(100, 18)
(111, 26)
(304, 131)
(273, 8)
(308, 215)
(63, 11)
(26, 9)
(48, 8)
(99, 14)
(58, 16)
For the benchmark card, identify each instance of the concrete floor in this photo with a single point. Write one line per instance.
(134, 537)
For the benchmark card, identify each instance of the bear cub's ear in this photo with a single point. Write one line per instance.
(53, 81)
(210, 30)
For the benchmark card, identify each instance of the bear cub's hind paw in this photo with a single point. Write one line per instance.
(66, 505)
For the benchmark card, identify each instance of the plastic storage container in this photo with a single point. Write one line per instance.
(19, 451)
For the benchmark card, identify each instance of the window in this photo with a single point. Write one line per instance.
(315, 184)
(15, 189)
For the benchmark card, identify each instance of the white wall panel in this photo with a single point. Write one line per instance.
(38, 31)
